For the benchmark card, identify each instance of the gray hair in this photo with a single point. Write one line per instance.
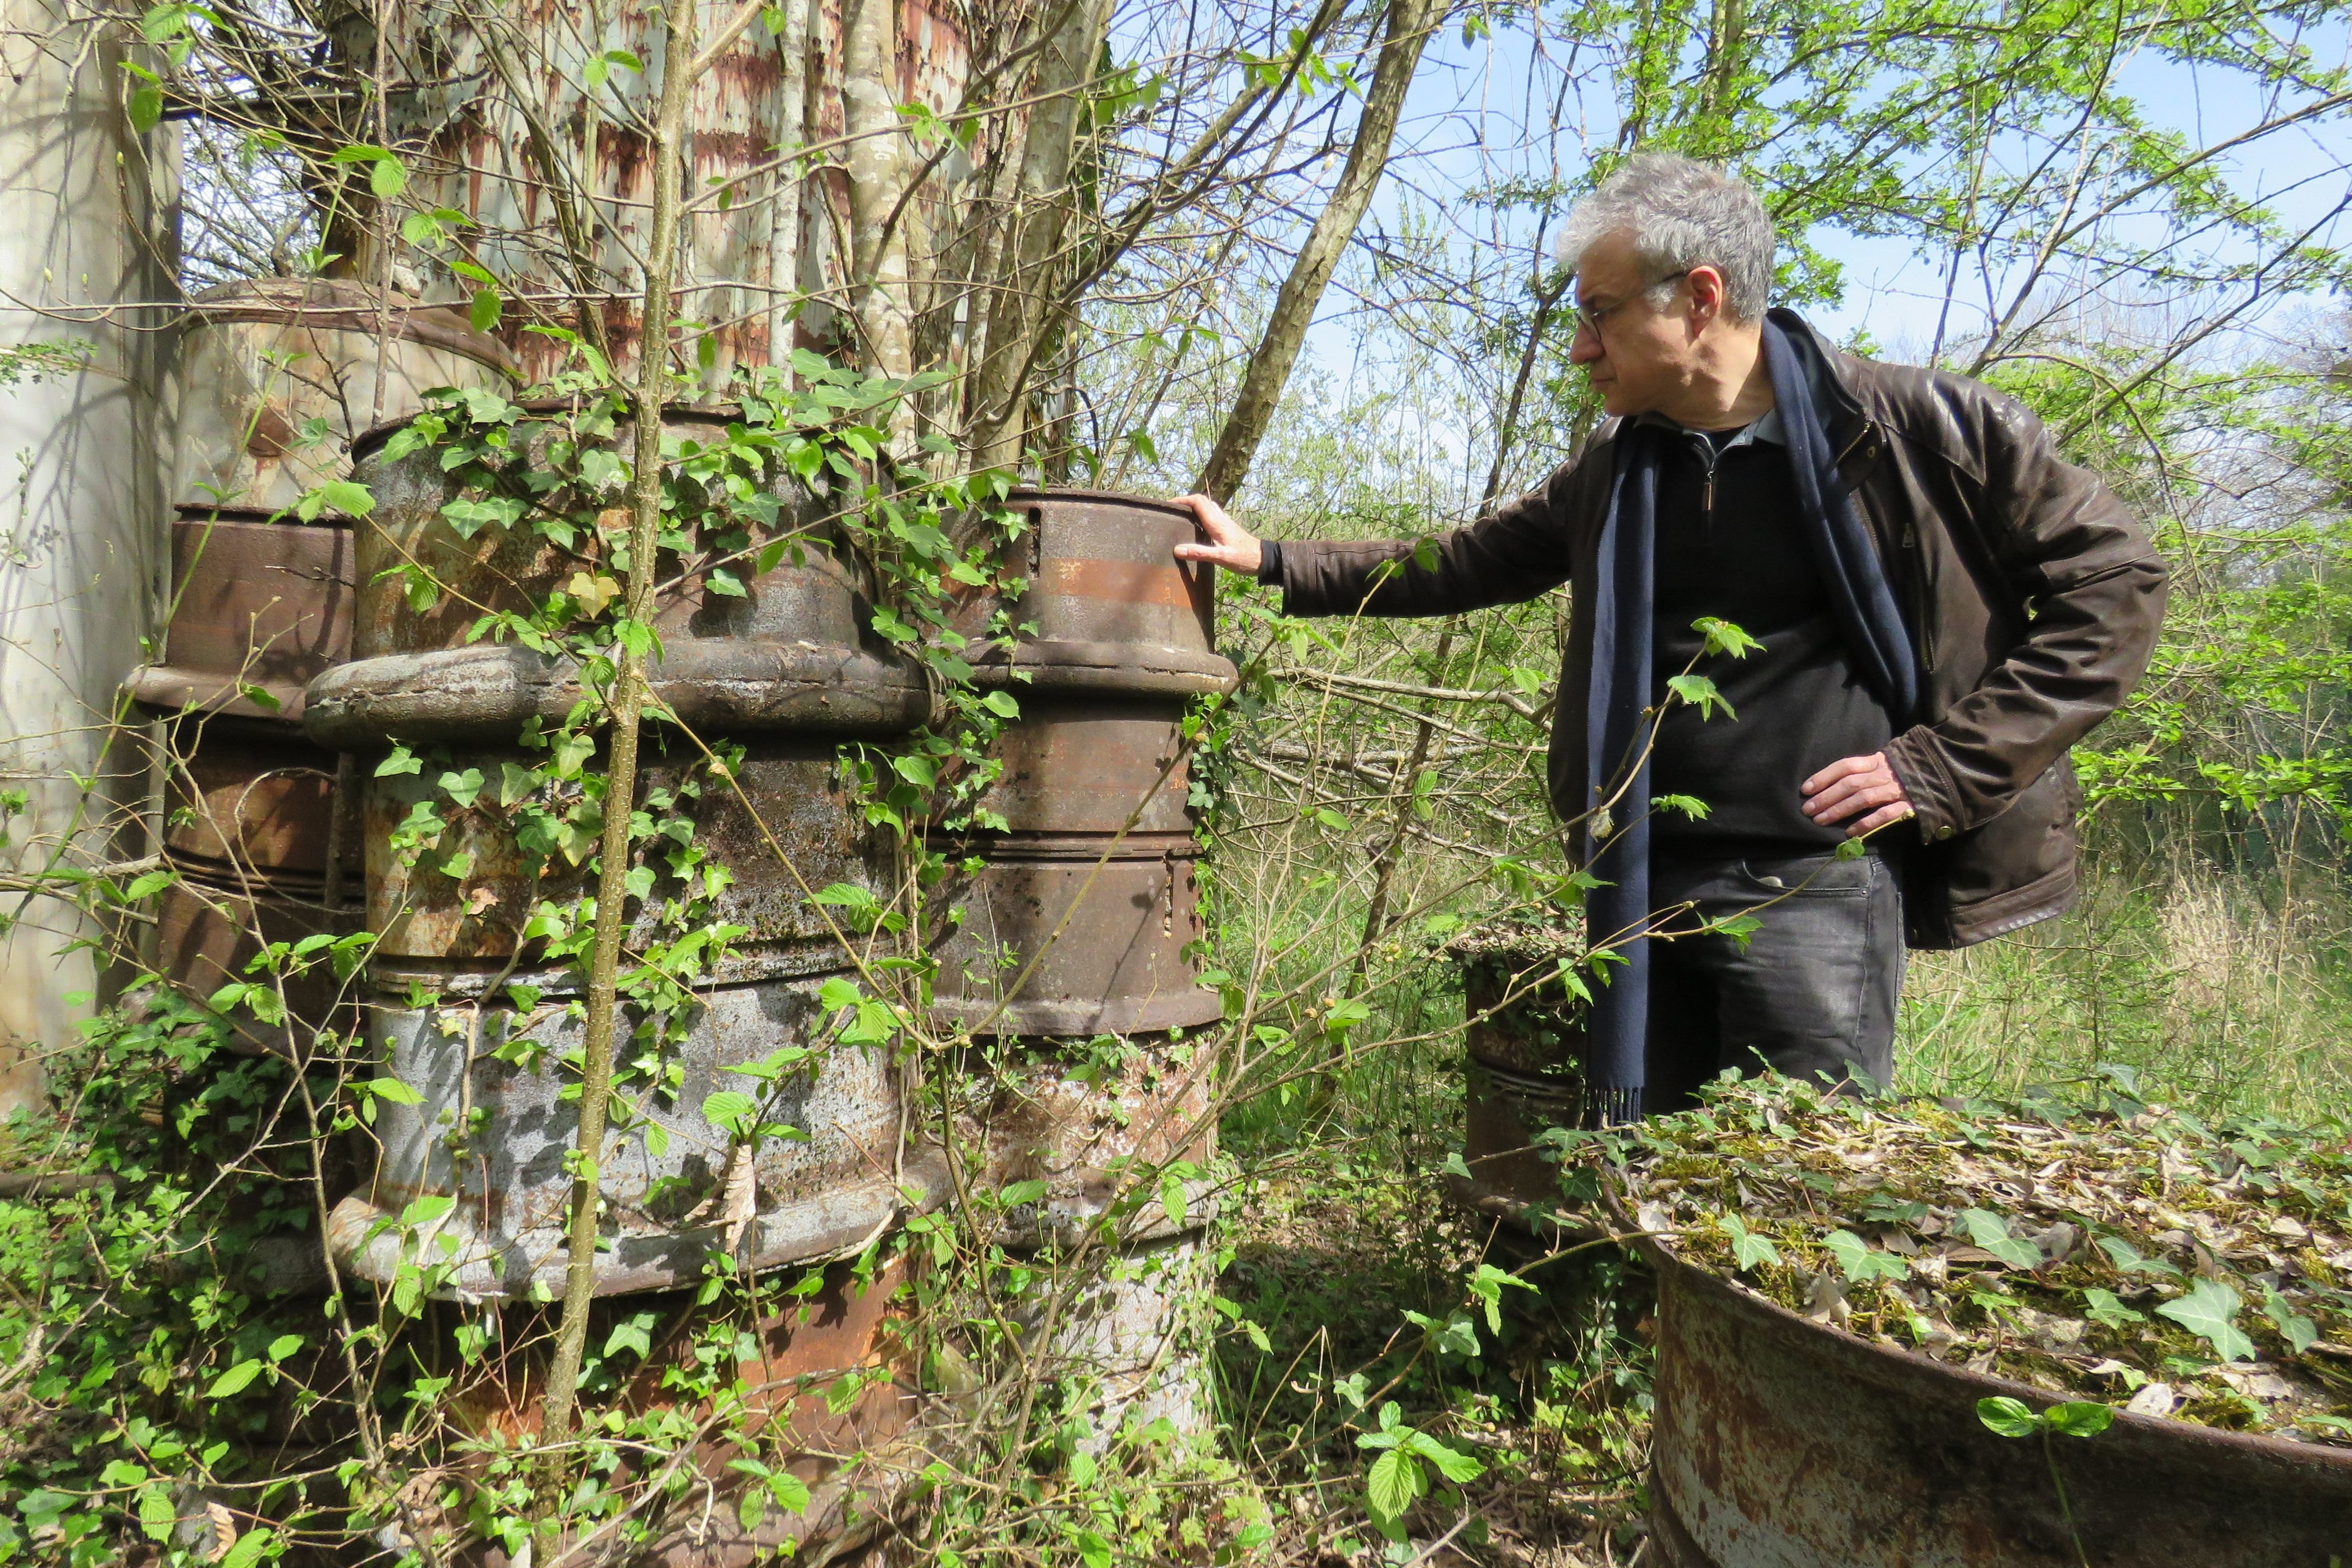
(1681, 213)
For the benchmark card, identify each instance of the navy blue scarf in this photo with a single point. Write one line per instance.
(1619, 721)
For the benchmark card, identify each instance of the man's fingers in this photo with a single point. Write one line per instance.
(1852, 796)
(1836, 771)
(1884, 816)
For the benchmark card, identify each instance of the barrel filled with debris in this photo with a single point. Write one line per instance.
(2016, 1334)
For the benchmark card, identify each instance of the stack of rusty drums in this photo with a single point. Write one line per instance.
(1521, 1075)
(275, 378)
(1071, 948)
(456, 986)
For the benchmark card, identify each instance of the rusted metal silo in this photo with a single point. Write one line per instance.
(276, 377)
(467, 119)
(782, 670)
(1077, 924)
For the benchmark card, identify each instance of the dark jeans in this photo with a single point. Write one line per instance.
(1811, 992)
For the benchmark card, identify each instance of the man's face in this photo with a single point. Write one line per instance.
(1638, 355)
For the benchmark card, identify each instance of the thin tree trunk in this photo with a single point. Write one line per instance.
(678, 61)
(875, 161)
(1017, 313)
(1376, 911)
(1410, 23)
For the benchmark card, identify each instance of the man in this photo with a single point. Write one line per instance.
(1940, 608)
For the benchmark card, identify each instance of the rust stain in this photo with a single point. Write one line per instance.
(1127, 581)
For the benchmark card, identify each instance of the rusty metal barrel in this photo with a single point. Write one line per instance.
(276, 376)
(1777, 1440)
(1070, 947)
(782, 668)
(1524, 1038)
(1092, 886)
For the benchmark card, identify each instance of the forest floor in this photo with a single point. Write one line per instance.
(1357, 1269)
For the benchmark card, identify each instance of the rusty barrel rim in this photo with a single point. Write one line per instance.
(337, 305)
(740, 685)
(176, 685)
(370, 441)
(1892, 1379)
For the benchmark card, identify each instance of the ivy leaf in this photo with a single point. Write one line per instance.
(2126, 1257)
(1748, 1249)
(1990, 1231)
(2106, 1308)
(1857, 1261)
(2299, 1332)
(2210, 1312)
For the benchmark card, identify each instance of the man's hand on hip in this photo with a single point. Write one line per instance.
(1229, 545)
(1855, 786)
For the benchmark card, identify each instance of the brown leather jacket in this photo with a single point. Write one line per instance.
(2033, 601)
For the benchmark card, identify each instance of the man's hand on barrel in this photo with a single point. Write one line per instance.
(1857, 786)
(1230, 545)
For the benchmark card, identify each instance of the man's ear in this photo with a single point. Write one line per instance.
(1708, 293)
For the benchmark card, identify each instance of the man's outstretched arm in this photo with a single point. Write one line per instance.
(1516, 553)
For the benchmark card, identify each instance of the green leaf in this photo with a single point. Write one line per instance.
(146, 108)
(2010, 1417)
(157, 1516)
(2126, 1257)
(1002, 704)
(2105, 1307)
(633, 1334)
(285, 1345)
(2299, 1332)
(1857, 1260)
(728, 1108)
(486, 309)
(344, 496)
(1747, 1249)
(464, 788)
(121, 1473)
(1395, 1481)
(1454, 1465)
(233, 1380)
(792, 1493)
(2210, 1312)
(1990, 1232)
(1700, 693)
(401, 761)
(392, 1090)
(2079, 1419)
(249, 1548)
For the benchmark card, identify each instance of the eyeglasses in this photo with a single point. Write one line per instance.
(1589, 318)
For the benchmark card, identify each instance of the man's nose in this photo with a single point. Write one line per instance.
(1585, 347)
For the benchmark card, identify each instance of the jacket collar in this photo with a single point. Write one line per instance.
(1830, 374)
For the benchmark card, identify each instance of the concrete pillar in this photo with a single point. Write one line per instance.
(86, 241)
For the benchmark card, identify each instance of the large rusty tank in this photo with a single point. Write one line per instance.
(1778, 1440)
(457, 985)
(276, 376)
(465, 110)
